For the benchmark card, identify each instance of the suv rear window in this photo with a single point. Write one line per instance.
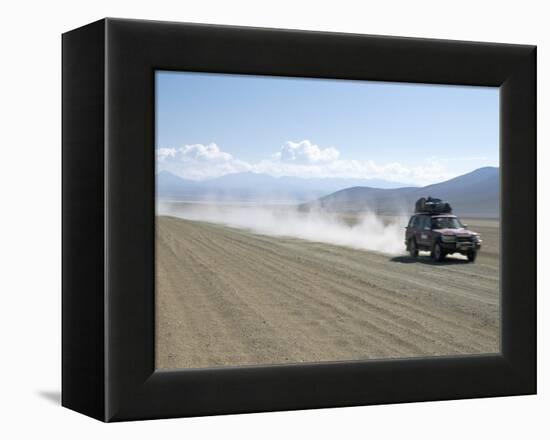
(425, 223)
(418, 221)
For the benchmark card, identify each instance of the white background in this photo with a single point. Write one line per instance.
(30, 216)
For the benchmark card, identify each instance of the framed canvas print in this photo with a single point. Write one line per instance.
(261, 219)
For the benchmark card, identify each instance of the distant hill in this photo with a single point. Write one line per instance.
(475, 194)
(257, 187)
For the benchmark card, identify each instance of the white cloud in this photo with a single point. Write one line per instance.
(199, 161)
(302, 159)
(428, 171)
(305, 152)
(199, 152)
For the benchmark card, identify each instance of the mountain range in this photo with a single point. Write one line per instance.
(475, 194)
(257, 187)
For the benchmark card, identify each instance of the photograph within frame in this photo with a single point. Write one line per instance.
(335, 265)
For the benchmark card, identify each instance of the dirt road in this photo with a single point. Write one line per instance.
(226, 296)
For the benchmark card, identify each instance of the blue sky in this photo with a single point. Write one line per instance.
(212, 124)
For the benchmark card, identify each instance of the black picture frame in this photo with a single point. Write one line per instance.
(109, 203)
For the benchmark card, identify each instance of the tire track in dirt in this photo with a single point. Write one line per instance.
(349, 300)
(334, 275)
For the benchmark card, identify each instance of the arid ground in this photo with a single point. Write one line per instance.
(227, 296)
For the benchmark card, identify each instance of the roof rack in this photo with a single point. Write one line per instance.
(431, 205)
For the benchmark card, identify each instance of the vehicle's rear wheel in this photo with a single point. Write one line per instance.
(413, 250)
(472, 256)
(437, 253)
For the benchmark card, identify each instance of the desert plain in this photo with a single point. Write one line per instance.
(229, 296)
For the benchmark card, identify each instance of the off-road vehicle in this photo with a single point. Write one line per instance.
(440, 233)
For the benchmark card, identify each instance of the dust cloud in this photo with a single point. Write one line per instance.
(360, 231)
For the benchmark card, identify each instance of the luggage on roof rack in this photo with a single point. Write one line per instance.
(432, 205)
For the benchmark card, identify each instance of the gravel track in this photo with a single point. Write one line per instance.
(227, 296)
